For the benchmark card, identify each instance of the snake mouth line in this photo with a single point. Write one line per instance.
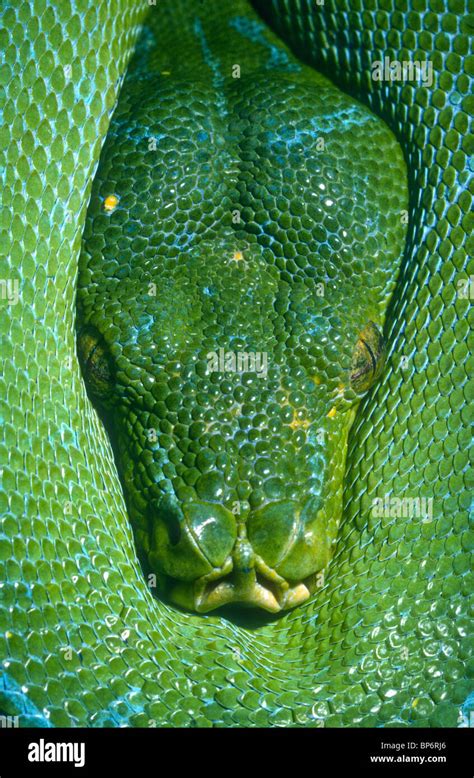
(250, 589)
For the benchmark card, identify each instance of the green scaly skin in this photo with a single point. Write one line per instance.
(252, 215)
(83, 640)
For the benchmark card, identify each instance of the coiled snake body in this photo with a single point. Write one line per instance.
(382, 641)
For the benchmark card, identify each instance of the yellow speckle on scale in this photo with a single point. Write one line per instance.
(238, 256)
(166, 72)
(110, 203)
(332, 413)
(297, 423)
(315, 379)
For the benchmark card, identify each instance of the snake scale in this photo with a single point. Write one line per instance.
(384, 641)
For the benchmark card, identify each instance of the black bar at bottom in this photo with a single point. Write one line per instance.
(90, 752)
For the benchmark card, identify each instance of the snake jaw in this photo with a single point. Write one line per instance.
(267, 560)
(244, 579)
(251, 589)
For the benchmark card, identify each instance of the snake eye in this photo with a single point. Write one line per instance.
(95, 362)
(368, 358)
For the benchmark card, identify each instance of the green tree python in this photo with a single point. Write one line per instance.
(244, 204)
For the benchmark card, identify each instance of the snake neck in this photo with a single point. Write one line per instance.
(212, 35)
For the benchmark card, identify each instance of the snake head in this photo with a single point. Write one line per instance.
(242, 243)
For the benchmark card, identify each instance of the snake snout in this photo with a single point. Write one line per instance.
(291, 538)
(214, 558)
(191, 540)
